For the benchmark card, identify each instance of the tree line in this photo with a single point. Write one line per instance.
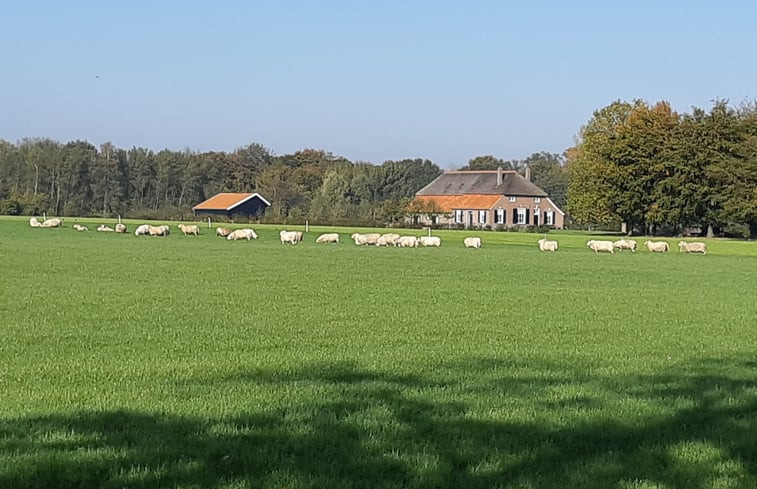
(79, 179)
(658, 171)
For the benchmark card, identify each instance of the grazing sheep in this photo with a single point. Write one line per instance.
(290, 237)
(79, 227)
(657, 246)
(161, 230)
(142, 230)
(120, 228)
(388, 239)
(52, 223)
(193, 229)
(431, 241)
(358, 238)
(245, 233)
(408, 242)
(695, 247)
(105, 229)
(473, 242)
(547, 245)
(625, 244)
(223, 232)
(33, 222)
(598, 246)
(328, 238)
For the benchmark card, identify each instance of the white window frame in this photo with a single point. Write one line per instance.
(521, 213)
(512, 199)
(482, 217)
(458, 216)
(499, 216)
(537, 200)
(550, 220)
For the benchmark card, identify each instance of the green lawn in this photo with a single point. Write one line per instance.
(195, 362)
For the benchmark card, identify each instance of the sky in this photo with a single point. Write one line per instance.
(368, 80)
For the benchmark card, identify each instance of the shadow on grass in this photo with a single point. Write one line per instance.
(377, 430)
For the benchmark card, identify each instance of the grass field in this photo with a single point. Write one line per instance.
(194, 362)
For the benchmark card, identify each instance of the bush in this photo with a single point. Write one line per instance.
(10, 207)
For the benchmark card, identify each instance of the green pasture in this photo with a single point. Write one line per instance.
(195, 362)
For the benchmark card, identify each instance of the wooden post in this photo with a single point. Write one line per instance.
(209, 221)
(307, 226)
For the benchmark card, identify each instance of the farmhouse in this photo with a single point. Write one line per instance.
(232, 205)
(494, 198)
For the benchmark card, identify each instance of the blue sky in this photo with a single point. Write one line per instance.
(371, 81)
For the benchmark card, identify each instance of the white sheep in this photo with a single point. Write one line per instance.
(388, 239)
(245, 233)
(52, 223)
(222, 232)
(408, 242)
(290, 237)
(695, 247)
(193, 229)
(547, 244)
(33, 222)
(472, 242)
(142, 230)
(161, 230)
(657, 246)
(597, 246)
(358, 238)
(80, 228)
(120, 228)
(625, 244)
(431, 241)
(105, 229)
(328, 238)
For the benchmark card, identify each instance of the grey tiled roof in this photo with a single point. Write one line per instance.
(481, 182)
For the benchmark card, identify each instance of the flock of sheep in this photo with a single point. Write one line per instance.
(376, 239)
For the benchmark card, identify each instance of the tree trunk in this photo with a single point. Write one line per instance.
(710, 231)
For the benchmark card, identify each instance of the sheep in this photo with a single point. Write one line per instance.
(598, 246)
(388, 239)
(431, 241)
(328, 238)
(625, 244)
(189, 229)
(52, 223)
(288, 237)
(222, 232)
(120, 228)
(161, 230)
(299, 235)
(105, 229)
(407, 242)
(358, 238)
(695, 247)
(166, 229)
(245, 233)
(79, 227)
(33, 222)
(142, 230)
(657, 246)
(547, 245)
(472, 242)
(365, 239)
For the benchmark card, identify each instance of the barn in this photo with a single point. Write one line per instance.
(233, 205)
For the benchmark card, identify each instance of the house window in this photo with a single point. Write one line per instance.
(549, 218)
(512, 199)
(499, 216)
(482, 217)
(521, 216)
(458, 216)
(537, 200)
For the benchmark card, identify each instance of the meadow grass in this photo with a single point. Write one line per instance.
(198, 362)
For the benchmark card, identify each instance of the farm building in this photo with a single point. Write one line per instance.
(232, 205)
(494, 198)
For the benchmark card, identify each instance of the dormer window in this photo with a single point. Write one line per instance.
(512, 199)
(537, 200)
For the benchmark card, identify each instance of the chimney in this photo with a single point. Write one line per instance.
(528, 173)
(499, 176)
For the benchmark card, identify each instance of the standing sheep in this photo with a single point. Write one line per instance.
(222, 232)
(695, 247)
(245, 233)
(408, 242)
(142, 230)
(625, 244)
(290, 237)
(472, 242)
(657, 246)
(431, 241)
(193, 229)
(120, 228)
(597, 246)
(547, 245)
